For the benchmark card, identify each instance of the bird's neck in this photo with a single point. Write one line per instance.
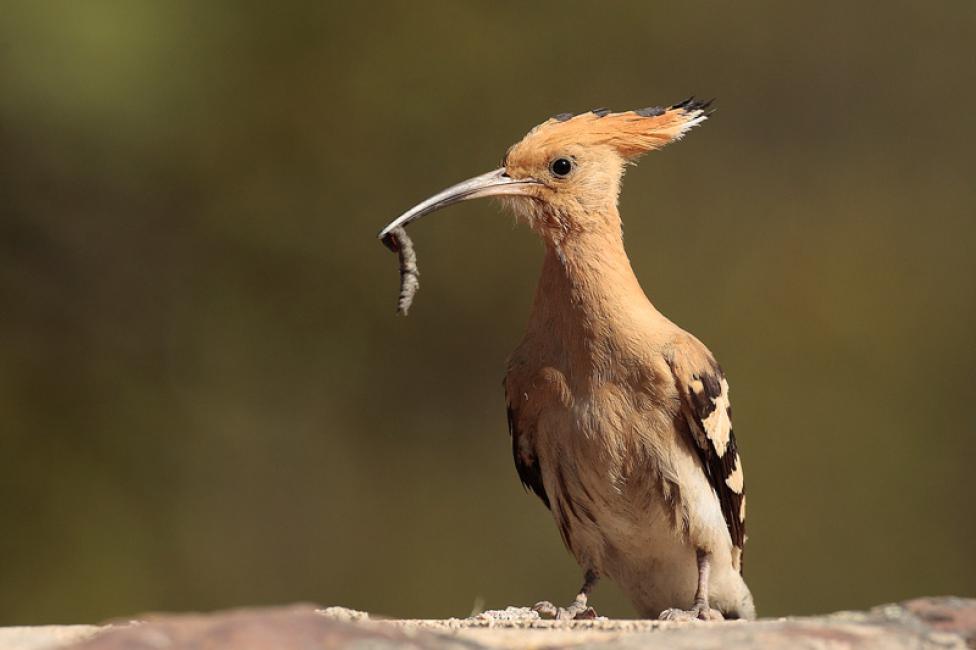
(588, 290)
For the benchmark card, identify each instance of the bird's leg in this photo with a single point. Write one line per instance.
(578, 609)
(700, 610)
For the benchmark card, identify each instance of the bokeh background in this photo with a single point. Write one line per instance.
(206, 399)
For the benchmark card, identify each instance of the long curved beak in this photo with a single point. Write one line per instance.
(493, 183)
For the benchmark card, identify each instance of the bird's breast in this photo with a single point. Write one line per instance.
(600, 434)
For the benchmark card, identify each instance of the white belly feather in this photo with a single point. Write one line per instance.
(634, 507)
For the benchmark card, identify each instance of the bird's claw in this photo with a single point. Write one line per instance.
(699, 612)
(578, 611)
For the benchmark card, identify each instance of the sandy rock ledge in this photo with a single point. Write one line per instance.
(942, 623)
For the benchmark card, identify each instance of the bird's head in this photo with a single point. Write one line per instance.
(564, 175)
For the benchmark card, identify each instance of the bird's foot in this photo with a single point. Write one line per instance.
(699, 612)
(578, 611)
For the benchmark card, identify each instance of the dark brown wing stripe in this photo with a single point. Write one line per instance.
(705, 392)
(526, 464)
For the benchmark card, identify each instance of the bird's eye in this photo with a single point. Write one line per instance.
(560, 167)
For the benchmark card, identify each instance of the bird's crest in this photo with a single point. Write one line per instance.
(631, 133)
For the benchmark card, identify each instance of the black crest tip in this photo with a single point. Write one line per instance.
(650, 111)
(601, 112)
(691, 105)
(562, 117)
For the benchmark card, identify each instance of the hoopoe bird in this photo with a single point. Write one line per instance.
(620, 421)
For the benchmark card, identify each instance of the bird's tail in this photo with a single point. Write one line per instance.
(743, 606)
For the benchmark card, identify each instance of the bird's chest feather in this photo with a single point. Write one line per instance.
(597, 437)
(606, 456)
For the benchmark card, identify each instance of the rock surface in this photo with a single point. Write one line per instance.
(944, 623)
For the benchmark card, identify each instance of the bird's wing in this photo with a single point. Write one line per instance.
(705, 402)
(526, 462)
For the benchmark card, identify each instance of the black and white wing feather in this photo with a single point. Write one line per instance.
(705, 401)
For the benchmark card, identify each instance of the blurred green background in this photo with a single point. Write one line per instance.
(206, 399)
